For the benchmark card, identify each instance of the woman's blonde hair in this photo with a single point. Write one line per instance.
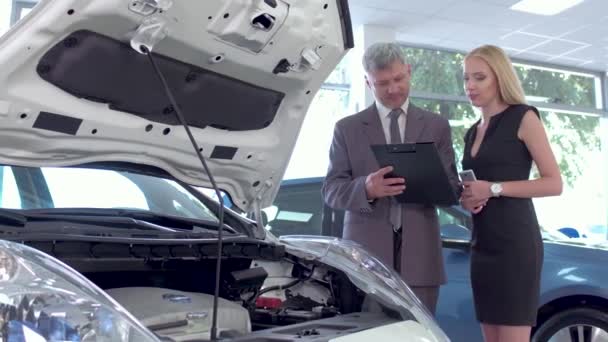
(509, 86)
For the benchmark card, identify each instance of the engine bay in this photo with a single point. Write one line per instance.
(272, 296)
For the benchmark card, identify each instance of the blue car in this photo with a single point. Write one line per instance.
(594, 232)
(574, 289)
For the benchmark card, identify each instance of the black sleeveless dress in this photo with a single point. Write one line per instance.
(507, 247)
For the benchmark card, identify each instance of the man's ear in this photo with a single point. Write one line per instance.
(409, 69)
(367, 82)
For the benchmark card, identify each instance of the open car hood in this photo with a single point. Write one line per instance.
(75, 89)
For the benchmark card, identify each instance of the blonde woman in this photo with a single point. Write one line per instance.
(507, 249)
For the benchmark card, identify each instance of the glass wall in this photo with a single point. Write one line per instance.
(13, 10)
(558, 86)
(567, 101)
(311, 154)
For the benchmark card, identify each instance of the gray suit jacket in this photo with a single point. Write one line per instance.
(351, 160)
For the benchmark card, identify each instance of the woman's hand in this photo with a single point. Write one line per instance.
(472, 206)
(476, 191)
(475, 195)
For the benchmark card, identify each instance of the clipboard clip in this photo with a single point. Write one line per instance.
(401, 148)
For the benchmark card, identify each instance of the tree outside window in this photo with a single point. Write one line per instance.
(440, 73)
(575, 136)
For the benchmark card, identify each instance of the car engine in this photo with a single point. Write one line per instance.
(181, 316)
(265, 294)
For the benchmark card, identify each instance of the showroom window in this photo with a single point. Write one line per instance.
(20, 8)
(438, 72)
(550, 85)
(568, 101)
(461, 117)
(311, 153)
(12, 11)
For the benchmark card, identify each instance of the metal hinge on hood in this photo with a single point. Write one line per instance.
(309, 60)
(147, 7)
(153, 27)
(251, 24)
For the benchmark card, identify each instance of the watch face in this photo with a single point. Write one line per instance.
(496, 188)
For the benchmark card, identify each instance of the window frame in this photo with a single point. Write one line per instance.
(600, 81)
(604, 82)
(17, 6)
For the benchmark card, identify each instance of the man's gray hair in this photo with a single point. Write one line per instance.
(380, 55)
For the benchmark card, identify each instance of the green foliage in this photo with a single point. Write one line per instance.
(557, 87)
(441, 73)
(460, 115)
(571, 135)
(436, 71)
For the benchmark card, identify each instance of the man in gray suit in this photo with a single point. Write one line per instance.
(405, 236)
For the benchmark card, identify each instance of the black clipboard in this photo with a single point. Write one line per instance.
(425, 176)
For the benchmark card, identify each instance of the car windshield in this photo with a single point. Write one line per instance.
(50, 188)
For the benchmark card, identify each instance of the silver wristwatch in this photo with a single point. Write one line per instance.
(496, 189)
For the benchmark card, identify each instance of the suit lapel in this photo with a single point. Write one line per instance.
(372, 127)
(414, 125)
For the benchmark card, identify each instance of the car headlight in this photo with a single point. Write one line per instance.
(42, 299)
(367, 273)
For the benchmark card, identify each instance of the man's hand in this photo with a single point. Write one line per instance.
(376, 186)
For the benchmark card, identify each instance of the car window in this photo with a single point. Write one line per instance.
(92, 189)
(193, 210)
(48, 188)
(297, 208)
(9, 194)
(447, 218)
(455, 215)
(213, 195)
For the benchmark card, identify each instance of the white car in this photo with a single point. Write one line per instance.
(111, 113)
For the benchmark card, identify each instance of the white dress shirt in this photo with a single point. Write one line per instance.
(383, 112)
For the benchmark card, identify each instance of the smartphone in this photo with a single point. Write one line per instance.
(467, 176)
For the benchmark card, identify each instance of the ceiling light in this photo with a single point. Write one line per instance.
(545, 7)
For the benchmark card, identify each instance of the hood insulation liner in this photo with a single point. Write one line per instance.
(101, 69)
